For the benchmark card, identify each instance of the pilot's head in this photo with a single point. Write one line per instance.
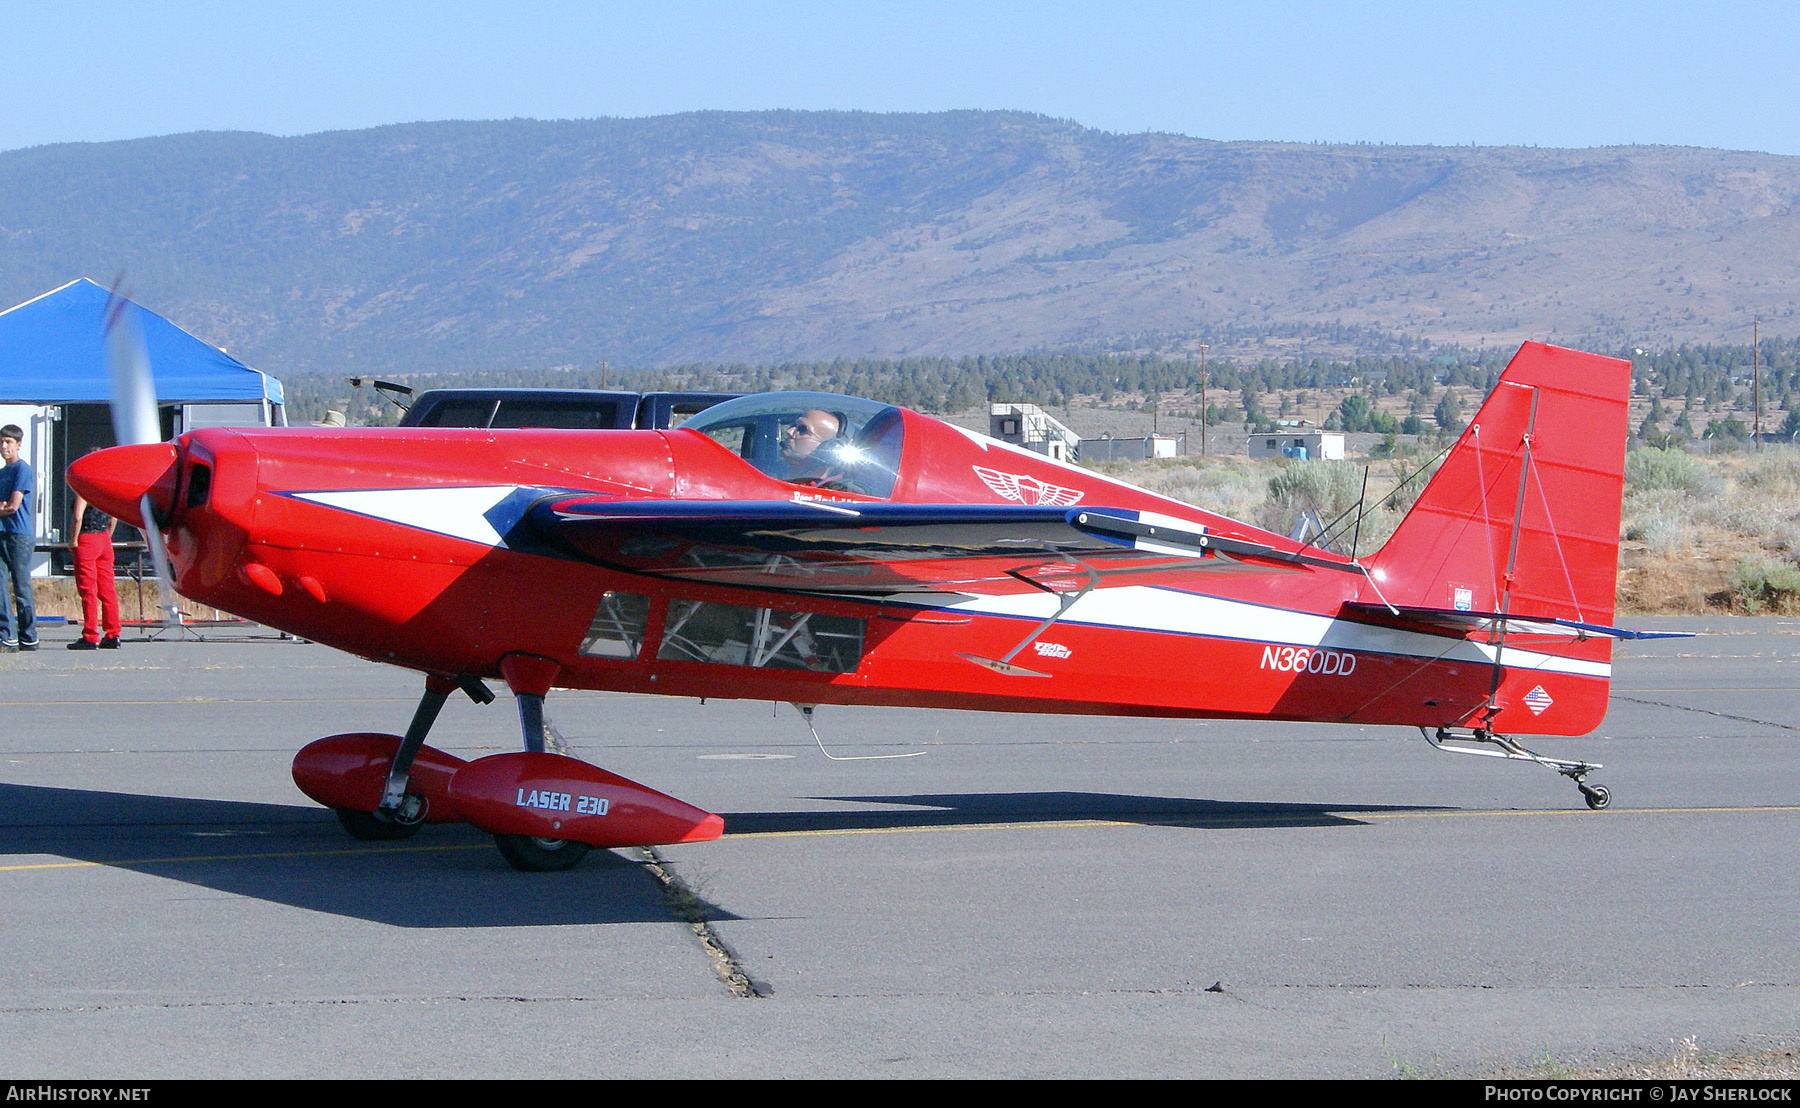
(808, 431)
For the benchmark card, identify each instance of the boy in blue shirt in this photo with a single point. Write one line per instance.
(17, 535)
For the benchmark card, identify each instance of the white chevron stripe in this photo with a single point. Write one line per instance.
(459, 512)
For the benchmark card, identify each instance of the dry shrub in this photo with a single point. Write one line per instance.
(1662, 519)
(1767, 585)
(1273, 494)
(1773, 473)
(1229, 486)
(1325, 488)
(1650, 468)
(1399, 493)
(1755, 496)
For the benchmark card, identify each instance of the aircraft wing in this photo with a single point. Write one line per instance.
(880, 549)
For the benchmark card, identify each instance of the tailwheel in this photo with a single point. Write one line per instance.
(1597, 796)
(535, 855)
(370, 827)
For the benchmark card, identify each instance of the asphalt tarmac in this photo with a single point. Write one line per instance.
(1032, 896)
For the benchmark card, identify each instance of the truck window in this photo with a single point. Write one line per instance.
(460, 412)
(685, 410)
(571, 415)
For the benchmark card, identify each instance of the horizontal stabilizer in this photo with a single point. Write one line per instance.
(1517, 625)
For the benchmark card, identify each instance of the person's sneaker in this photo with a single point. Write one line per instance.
(83, 644)
(32, 645)
(110, 642)
(9, 648)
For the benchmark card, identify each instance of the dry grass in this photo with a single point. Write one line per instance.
(1685, 1061)
(1699, 534)
(1273, 494)
(1711, 534)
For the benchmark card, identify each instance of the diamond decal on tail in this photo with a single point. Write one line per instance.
(1537, 700)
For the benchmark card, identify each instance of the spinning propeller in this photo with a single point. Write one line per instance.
(136, 423)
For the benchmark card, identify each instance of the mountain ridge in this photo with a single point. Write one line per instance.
(772, 236)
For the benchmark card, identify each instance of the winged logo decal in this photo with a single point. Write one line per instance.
(1021, 489)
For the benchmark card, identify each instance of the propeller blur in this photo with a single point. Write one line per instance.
(136, 424)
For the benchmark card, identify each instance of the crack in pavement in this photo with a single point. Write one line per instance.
(313, 1002)
(690, 908)
(1239, 992)
(1705, 712)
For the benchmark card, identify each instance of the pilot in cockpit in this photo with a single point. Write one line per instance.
(801, 459)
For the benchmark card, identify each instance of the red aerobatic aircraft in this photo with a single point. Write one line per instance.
(823, 549)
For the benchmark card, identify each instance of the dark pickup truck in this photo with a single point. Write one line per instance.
(567, 409)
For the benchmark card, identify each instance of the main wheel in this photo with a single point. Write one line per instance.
(371, 828)
(1597, 797)
(535, 855)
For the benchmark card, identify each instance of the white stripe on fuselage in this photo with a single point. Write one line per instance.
(1146, 608)
(460, 512)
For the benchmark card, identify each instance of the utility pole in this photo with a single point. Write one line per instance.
(1203, 400)
(602, 372)
(1756, 368)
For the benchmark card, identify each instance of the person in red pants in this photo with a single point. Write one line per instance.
(93, 530)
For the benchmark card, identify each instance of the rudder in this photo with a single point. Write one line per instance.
(1541, 465)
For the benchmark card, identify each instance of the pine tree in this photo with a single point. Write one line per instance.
(1448, 413)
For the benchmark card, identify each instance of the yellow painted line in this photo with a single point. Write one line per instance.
(1709, 689)
(1577, 812)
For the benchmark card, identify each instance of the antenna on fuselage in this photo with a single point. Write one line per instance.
(806, 713)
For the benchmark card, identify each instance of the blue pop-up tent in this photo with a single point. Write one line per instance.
(53, 351)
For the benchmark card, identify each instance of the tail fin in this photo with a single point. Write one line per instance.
(1523, 517)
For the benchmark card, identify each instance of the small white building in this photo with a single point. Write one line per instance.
(1106, 448)
(1033, 428)
(1289, 442)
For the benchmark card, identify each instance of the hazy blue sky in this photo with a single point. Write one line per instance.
(1553, 74)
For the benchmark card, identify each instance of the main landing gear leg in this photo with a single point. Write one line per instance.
(530, 676)
(396, 804)
(400, 814)
(1597, 796)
